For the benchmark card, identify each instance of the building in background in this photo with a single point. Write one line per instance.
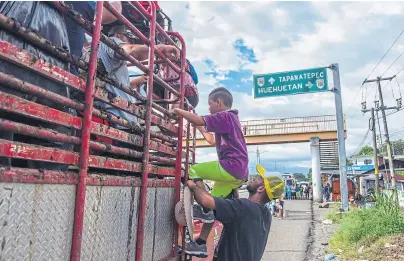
(362, 164)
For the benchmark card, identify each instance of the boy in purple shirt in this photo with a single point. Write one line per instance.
(230, 171)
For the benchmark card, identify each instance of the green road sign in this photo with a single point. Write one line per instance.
(289, 83)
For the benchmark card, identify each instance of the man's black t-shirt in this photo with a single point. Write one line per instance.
(246, 228)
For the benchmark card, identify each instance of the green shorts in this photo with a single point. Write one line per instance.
(224, 181)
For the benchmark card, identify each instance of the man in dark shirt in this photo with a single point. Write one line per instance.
(246, 221)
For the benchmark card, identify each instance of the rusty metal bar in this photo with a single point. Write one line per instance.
(36, 176)
(23, 175)
(41, 112)
(163, 101)
(49, 134)
(97, 179)
(34, 152)
(180, 135)
(158, 27)
(85, 139)
(26, 60)
(184, 229)
(143, 188)
(193, 148)
(30, 109)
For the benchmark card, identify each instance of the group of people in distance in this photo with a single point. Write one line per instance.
(298, 191)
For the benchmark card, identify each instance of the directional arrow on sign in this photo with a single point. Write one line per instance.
(309, 84)
(271, 80)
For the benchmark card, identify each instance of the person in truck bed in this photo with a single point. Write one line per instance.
(231, 170)
(116, 68)
(246, 222)
(41, 18)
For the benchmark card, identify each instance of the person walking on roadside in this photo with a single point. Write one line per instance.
(306, 191)
(288, 192)
(293, 189)
(298, 189)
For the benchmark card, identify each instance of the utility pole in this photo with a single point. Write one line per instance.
(375, 158)
(375, 155)
(386, 129)
(258, 156)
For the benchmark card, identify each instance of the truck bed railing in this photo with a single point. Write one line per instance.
(84, 187)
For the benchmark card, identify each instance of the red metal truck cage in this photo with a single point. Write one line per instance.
(88, 212)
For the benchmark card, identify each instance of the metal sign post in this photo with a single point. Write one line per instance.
(341, 136)
(309, 81)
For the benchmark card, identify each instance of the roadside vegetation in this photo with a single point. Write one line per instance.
(369, 234)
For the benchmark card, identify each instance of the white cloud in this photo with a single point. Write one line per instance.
(337, 32)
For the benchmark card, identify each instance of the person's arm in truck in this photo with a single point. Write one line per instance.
(141, 52)
(190, 117)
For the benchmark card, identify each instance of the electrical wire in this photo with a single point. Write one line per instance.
(388, 50)
(393, 63)
(374, 68)
(362, 142)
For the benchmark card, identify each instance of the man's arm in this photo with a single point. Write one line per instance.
(192, 118)
(201, 196)
(138, 81)
(208, 136)
(138, 51)
(226, 210)
(141, 52)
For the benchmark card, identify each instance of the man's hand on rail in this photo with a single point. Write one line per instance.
(170, 51)
(138, 81)
(141, 52)
(201, 196)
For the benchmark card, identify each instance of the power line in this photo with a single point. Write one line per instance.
(398, 37)
(362, 142)
(393, 63)
(394, 112)
(399, 71)
(374, 68)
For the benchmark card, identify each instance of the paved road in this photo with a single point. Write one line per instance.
(288, 237)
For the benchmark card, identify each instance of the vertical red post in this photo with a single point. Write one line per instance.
(180, 133)
(85, 138)
(146, 136)
(194, 145)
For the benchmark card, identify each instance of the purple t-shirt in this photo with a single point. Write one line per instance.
(230, 143)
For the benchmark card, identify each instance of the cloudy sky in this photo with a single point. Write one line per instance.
(228, 42)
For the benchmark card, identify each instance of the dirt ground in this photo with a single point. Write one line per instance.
(319, 234)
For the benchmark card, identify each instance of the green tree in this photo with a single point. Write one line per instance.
(348, 162)
(397, 147)
(309, 174)
(299, 176)
(367, 150)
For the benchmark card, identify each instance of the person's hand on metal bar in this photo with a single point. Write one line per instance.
(189, 116)
(138, 82)
(170, 51)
